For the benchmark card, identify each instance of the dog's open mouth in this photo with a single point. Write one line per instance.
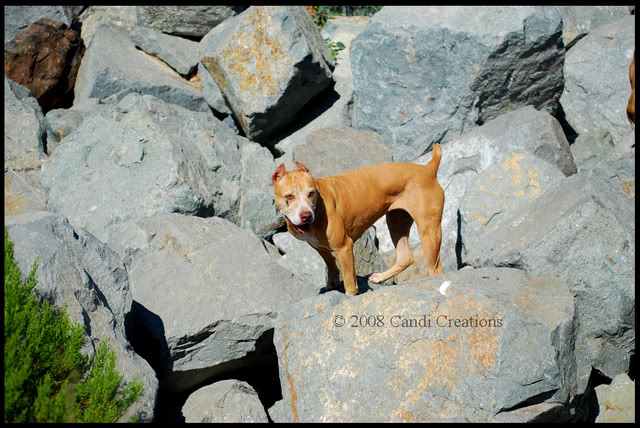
(303, 228)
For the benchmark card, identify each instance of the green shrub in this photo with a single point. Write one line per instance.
(46, 376)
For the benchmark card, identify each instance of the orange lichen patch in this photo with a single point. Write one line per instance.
(171, 241)
(292, 389)
(516, 179)
(14, 203)
(480, 218)
(453, 354)
(211, 65)
(512, 162)
(255, 56)
(629, 188)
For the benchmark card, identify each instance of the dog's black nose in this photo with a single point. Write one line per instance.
(306, 216)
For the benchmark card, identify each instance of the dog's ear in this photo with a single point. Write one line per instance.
(301, 167)
(278, 174)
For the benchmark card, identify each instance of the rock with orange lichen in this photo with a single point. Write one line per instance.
(496, 346)
(269, 62)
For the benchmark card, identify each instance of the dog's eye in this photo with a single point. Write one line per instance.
(288, 197)
(312, 193)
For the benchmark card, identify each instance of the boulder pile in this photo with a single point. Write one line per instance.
(139, 146)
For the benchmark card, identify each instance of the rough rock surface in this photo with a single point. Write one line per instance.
(24, 150)
(596, 73)
(269, 62)
(589, 148)
(500, 190)
(192, 21)
(161, 158)
(23, 128)
(180, 54)
(122, 18)
(204, 308)
(429, 74)
(496, 347)
(61, 122)
(616, 401)
(578, 21)
(332, 151)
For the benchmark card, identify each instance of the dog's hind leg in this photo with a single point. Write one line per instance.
(431, 238)
(399, 223)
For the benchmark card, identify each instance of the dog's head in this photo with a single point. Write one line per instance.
(296, 196)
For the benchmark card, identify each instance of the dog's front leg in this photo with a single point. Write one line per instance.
(345, 257)
(333, 277)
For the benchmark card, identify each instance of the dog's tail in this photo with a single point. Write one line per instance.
(436, 155)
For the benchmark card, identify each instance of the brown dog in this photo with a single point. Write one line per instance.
(331, 213)
(631, 106)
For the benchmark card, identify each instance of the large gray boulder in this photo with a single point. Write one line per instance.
(191, 21)
(24, 150)
(424, 75)
(583, 231)
(77, 270)
(144, 157)
(208, 304)
(112, 66)
(596, 74)
(138, 238)
(524, 130)
(269, 61)
(24, 133)
(18, 18)
(496, 346)
(499, 191)
(225, 401)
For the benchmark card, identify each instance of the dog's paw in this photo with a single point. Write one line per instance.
(377, 278)
(351, 292)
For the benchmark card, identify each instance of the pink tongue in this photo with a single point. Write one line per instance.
(303, 228)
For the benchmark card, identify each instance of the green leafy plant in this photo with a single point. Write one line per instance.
(334, 47)
(46, 376)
